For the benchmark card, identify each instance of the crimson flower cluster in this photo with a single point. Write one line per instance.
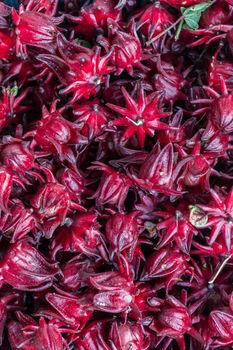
(116, 175)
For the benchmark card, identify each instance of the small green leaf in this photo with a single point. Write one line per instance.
(197, 217)
(14, 90)
(200, 7)
(192, 22)
(191, 16)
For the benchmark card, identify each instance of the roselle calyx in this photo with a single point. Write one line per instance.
(25, 268)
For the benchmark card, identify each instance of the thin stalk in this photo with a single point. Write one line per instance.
(138, 123)
(221, 267)
(165, 31)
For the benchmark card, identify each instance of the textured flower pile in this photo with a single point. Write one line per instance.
(116, 175)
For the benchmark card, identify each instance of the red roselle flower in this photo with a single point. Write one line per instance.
(85, 69)
(7, 44)
(4, 308)
(213, 141)
(17, 222)
(115, 292)
(25, 268)
(219, 13)
(53, 134)
(94, 331)
(16, 336)
(84, 236)
(145, 302)
(76, 273)
(220, 323)
(140, 116)
(23, 70)
(156, 172)
(73, 311)
(95, 16)
(167, 264)
(20, 160)
(127, 50)
(180, 132)
(173, 321)
(49, 7)
(169, 81)
(74, 182)
(221, 113)
(153, 19)
(10, 105)
(124, 336)
(175, 227)
(220, 212)
(194, 169)
(51, 210)
(122, 233)
(113, 188)
(37, 336)
(35, 29)
(7, 179)
(17, 157)
(218, 248)
(92, 118)
(219, 71)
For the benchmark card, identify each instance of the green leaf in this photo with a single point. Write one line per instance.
(191, 16)
(14, 90)
(192, 21)
(200, 7)
(197, 217)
